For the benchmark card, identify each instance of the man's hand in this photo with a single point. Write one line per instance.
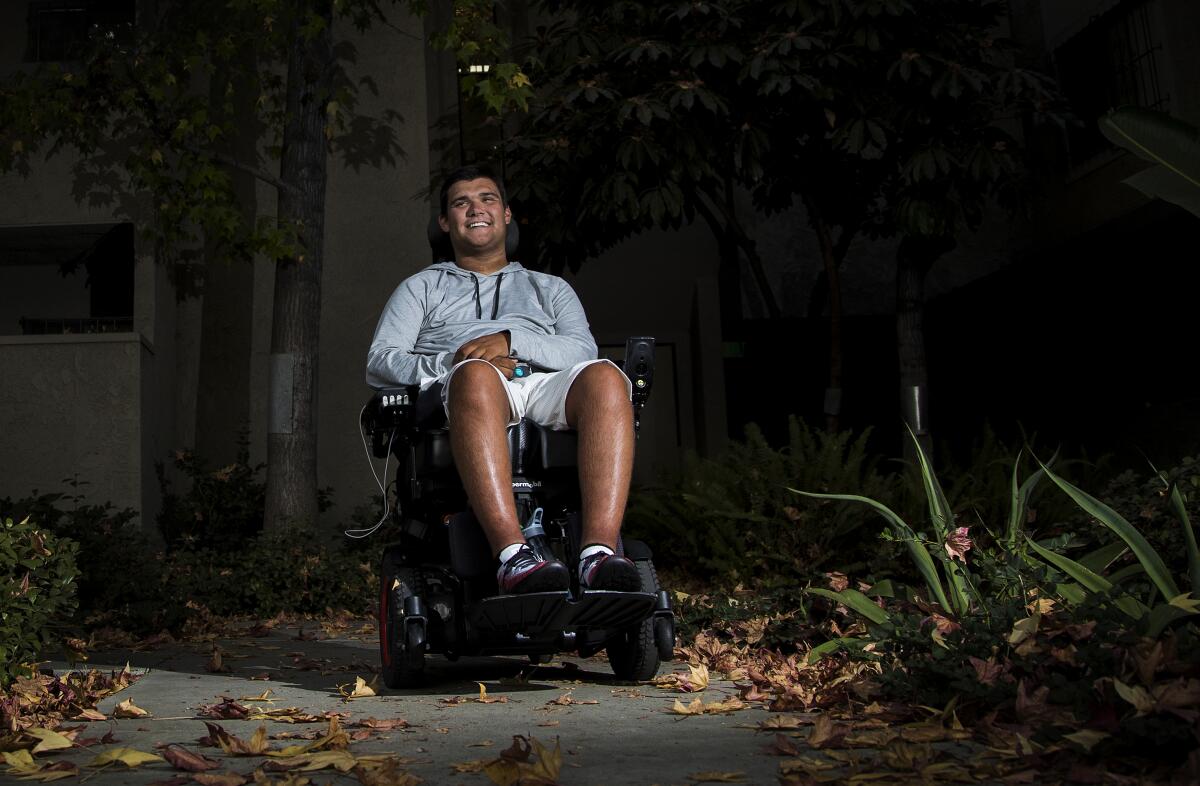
(505, 364)
(484, 347)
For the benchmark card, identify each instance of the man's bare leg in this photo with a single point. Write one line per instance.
(598, 408)
(478, 437)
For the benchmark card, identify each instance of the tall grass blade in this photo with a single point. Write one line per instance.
(1091, 581)
(916, 549)
(939, 507)
(1156, 569)
(1177, 505)
(856, 601)
(1020, 498)
(1098, 561)
(942, 517)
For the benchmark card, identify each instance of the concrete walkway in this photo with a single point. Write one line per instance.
(628, 736)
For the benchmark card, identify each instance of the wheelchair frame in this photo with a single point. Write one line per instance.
(438, 591)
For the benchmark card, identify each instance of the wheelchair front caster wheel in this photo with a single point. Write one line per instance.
(402, 637)
(633, 653)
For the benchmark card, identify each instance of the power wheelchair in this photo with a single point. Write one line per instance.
(438, 590)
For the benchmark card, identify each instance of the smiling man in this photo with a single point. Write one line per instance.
(459, 330)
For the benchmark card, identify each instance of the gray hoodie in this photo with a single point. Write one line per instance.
(434, 312)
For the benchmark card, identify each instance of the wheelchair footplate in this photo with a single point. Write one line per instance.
(536, 612)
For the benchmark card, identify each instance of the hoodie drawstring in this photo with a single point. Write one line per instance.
(495, 299)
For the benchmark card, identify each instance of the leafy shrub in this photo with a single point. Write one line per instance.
(734, 517)
(118, 567)
(37, 592)
(223, 508)
(292, 570)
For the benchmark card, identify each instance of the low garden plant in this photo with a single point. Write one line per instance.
(37, 594)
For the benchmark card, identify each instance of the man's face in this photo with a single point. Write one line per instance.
(475, 219)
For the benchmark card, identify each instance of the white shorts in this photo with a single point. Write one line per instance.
(541, 397)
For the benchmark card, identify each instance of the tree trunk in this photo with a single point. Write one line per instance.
(914, 258)
(291, 494)
(833, 391)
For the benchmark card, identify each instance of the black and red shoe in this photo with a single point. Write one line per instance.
(525, 571)
(602, 571)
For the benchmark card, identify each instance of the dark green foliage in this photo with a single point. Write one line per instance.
(733, 517)
(1142, 498)
(223, 508)
(37, 593)
(289, 570)
(115, 559)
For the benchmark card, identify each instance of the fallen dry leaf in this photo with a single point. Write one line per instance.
(183, 759)
(127, 709)
(227, 709)
(361, 690)
(21, 764)
(216, 663)
(484, 698)
(224, 779)
(714, 776)
(48, 740)
(127, 756)
(382, 725)
(826, 733)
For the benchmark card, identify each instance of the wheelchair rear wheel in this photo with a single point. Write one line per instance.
(633, 653)
(401, 639)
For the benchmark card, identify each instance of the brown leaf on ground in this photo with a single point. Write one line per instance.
(235, 746)
(693, 681)
(382, 725)
(127, 756)
(387, 773)
(826, 733)
(715, 776)
(224, 779)
(782, 745)
(567, 699)
(90, 714)
(227, 709)
(216, 662)
(475, 765)
(127, 709)
(183, 759)
(539, 769)
(266, 675)
(783, 722)
(361, 690)
(483, 697)
(698, 707)
(285, 715)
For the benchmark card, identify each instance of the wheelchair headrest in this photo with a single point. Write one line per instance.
(439, 241)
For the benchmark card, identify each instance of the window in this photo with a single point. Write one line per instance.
(66, 279)
(59, 29)
(1111, 62)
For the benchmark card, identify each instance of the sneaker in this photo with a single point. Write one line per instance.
(525, 571)
(602, 571)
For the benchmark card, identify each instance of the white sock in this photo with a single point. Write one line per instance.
(595, 548)
(508, 551)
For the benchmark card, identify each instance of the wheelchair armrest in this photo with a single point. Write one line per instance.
(389, 413)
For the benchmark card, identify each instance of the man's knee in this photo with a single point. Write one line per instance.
(604, 380)
(476, 382)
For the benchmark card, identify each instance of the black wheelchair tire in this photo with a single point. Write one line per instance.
(633, 653)
(401, 647)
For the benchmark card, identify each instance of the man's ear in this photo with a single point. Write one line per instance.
(444, 223)
(507, 215)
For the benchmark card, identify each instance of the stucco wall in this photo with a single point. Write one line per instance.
(70, 408)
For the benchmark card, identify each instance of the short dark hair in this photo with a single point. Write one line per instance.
(473, 172)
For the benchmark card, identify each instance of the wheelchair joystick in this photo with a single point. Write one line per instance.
(639, 367)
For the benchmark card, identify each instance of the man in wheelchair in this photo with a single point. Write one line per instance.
(487, 348)
(434, 333)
